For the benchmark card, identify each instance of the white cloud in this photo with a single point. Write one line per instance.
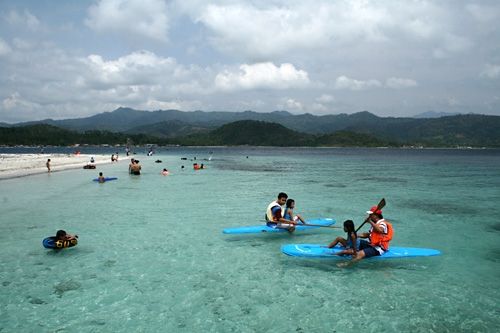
(319, 108)
(262, 76)
(292, 104)
(174, 105)
(4, 47)
(22, 44)
(344, 82)
(452, 101)
(325, 98)
(450, 45)
(400, 83)
(137, 68)
(24, 19)
(491, 71)
(483, 13)
(146, 18)
(15, 101)
(264, 31)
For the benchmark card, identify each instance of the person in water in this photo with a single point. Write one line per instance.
(379, 236)
(350, 244)
(274, 215)
(134, 167)
(101, 178)
(288, 213)
(62, 235)
(164, 172)
(62, 239)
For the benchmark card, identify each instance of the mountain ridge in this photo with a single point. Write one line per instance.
(458, 130)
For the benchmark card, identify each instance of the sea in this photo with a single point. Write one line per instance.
(151, 255)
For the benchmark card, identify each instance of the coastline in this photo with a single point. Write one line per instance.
(22, 165)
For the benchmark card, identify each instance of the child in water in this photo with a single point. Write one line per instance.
(350, 244)
(101, 178)
(288, 213)
(62, 235)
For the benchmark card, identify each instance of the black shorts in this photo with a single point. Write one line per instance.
(369, 250)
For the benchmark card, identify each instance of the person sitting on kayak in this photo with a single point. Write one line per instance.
(274, 216)
(350, 244)
(379, 235)
(288, 213)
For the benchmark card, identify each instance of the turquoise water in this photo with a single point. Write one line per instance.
(152, 258)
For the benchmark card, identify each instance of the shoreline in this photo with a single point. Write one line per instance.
(23, 165)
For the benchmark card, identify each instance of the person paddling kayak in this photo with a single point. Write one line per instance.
(274, 214)
(379, 236)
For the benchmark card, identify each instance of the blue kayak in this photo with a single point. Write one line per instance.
(106, 179)
(264, 228)
(321, 251)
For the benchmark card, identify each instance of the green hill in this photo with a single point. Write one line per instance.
(54, 136)
(450, 131)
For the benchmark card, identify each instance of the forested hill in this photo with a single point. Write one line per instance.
(450, 131)
(246, 132)
(42, 134)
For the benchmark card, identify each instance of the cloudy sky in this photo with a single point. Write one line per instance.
(76, 58)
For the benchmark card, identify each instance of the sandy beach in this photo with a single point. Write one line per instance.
(20, 165)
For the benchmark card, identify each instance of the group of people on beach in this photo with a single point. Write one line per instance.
(375, 242)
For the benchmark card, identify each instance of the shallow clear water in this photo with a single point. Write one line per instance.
(151, 256)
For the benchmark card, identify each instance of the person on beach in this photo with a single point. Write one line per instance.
(350, 244)
(288, 212)
(274, 215)
(92, 161)
(379, 237)
(101, 178)
(134, 167)
(48, 165)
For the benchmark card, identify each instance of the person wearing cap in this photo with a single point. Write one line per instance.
(379, 236)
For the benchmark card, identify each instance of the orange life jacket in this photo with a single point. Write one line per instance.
(381, 239)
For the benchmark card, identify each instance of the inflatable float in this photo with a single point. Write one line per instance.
(52, 243)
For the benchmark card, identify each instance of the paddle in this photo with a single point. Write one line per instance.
(380, 205)
(318, 225)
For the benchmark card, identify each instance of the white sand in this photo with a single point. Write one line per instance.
(19, 165)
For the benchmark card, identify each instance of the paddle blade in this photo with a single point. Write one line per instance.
(381, 204)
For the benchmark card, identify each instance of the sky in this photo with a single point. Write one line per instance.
(77, 58)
